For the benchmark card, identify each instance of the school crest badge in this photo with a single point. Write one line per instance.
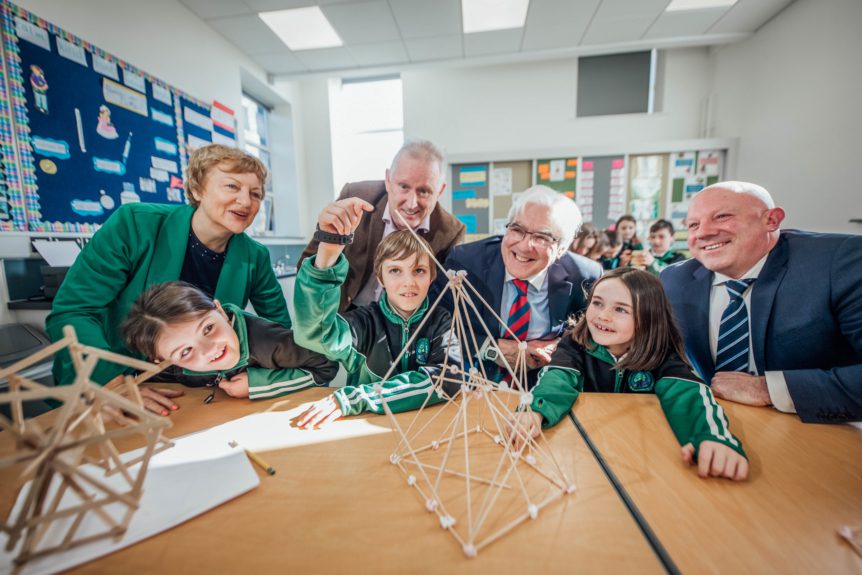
(641, 381)
(423, 347)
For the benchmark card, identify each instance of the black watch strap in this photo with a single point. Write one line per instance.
(328, 238)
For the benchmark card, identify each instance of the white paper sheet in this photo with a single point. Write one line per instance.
(57, 253)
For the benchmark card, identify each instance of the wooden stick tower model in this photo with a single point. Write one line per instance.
(471, 476)
(61, 493)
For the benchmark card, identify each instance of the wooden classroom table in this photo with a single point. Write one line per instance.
(341, 507)
(805, 481)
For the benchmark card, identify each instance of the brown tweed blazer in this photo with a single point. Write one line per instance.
(446, 231)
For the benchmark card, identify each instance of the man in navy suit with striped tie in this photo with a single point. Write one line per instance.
(770, 317)
(526, 278)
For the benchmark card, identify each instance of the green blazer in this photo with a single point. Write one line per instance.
(141, 245)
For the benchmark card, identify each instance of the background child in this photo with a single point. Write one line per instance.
(626, 232)
(247, 356)
(367, 340)
(627, 342)
(585, 242)
(660, 254)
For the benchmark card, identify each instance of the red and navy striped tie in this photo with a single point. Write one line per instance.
(519, 318)
(519, 312)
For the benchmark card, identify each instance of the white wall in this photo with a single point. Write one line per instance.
(791, 93)
(531, 106)
(315, 154)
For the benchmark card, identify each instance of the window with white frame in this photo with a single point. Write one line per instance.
(256, 136)
(367, 127)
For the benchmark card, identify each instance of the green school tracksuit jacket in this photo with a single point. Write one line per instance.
(141, 245)
(368, 339)
(688, 404)
(664, 260)
(275, 364)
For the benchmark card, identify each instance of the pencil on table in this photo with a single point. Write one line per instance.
(255, 458)
(260, 462)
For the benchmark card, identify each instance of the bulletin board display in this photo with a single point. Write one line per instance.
(560, 174)
(601, 192)
(646, 190)
(93, 132)
(689, 173)
(470, 201)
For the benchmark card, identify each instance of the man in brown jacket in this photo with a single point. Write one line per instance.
(413, 186)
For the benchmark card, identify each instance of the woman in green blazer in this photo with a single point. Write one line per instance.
(202, 243)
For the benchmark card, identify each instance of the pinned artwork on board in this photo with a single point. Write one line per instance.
(40, 88)
(106, 200)
(87, 208)
(175, 195)
(105, 127)
(48, 166)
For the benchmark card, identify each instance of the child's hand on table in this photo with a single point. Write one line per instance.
(716, 460)
(320, 413)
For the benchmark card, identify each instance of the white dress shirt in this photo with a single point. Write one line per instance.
(718, 300)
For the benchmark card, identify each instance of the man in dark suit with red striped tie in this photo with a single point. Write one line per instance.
(525, 280)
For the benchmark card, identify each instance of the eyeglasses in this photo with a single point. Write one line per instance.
(537, 239)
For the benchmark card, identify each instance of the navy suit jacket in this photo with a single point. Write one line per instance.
(567, 279)
(806, 320)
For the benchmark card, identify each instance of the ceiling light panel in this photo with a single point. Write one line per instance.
(487, 15)
(302, 28)
(677, 5)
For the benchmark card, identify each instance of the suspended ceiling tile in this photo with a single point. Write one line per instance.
(216, 8)
(440, 48)
(249, 33)
(326, 59)
(685, 23)
(748, 16)
(619, 30)
(379, 54)
(424, 19)
(557, 23)
(284, 62)
(363, 22)
(496, 42)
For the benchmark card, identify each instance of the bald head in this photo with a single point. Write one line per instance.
(747, 188)
(731, 226)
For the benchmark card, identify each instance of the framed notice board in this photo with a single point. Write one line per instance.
(560, 174)
(90, 132)
(470, 202)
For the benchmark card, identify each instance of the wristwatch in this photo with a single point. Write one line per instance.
(489, 351)
(329, 238)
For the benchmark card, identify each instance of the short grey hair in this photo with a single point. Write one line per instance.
(758, 192)
(565, 215)
(421, 150)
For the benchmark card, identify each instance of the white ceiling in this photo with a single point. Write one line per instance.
(389, 35)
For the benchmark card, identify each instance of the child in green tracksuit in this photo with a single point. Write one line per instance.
(660, 255)
(243, 354)
(626, 342)
(368, 339)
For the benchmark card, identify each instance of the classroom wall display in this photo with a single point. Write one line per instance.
(90, 132)
(645, 190)
(601, 189)
(690, 172)
(560, 174)
(470, 201)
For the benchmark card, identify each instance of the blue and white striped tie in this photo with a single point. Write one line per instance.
(733, 334)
